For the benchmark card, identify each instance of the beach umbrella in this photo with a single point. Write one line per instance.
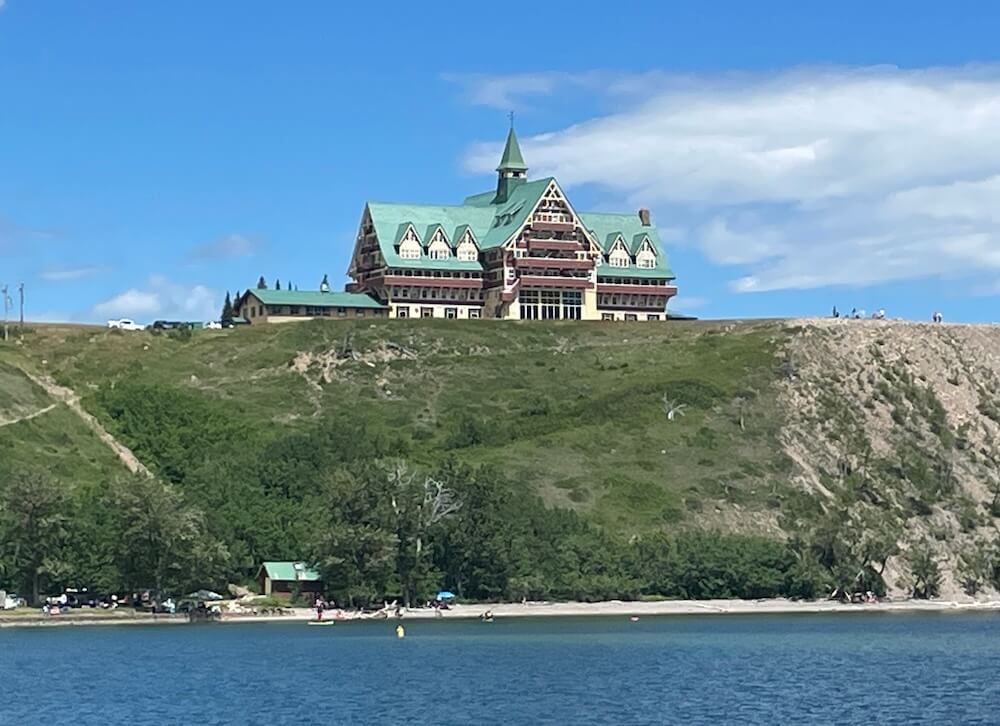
(445, 595)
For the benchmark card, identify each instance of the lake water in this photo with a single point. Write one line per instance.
(860, 669)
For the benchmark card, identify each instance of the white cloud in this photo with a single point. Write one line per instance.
(798, 179)
(161, 298)
(226, 247)
(69, 273)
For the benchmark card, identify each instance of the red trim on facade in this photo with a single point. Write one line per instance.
(435, 301)
(457, 282)
(557, 263)
(543, 281)
(608, 288)
(633, 308)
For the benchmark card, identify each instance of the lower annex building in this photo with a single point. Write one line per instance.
(519, 252)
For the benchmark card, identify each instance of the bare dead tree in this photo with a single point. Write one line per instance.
(672, 408)
(421, 504)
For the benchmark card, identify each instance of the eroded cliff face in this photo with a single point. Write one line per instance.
(894, 427)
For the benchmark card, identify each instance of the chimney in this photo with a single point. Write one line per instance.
(644, 217)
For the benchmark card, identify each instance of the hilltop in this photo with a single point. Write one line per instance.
(861, 439)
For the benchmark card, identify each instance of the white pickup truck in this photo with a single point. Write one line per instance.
(124, 324)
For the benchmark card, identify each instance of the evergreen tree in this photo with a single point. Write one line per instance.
(261, 285)
(227, 309)
(34, 517)
(277, 284)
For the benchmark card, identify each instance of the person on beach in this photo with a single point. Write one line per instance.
(319, 608)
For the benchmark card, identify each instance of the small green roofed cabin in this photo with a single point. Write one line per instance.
(262, 305)
(281, 579)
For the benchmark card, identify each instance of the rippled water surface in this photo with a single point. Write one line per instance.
(709, 669)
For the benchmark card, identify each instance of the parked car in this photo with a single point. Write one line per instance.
(10, 601)
(124, 324)
(169, 325)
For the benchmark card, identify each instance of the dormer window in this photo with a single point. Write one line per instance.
(409, 246)
(438, 248)
(467, 250)
(619, 256)
(646, 256)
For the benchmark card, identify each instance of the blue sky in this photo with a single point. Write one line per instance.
(795, 155)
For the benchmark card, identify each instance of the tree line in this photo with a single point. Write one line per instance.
(380, 521)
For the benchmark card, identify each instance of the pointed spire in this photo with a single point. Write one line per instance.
(512, 159)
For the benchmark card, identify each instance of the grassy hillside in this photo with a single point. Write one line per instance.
(576, 410)
(820, 432)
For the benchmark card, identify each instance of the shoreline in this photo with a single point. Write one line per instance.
(535, 609)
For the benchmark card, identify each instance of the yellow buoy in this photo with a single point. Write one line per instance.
(400, 631)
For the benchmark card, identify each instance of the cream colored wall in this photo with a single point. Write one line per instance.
(590, 311)
(620, 315)
(437, 308)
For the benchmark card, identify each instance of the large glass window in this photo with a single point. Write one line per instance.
(551, 305)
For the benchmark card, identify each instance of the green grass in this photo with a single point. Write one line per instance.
(574, 408)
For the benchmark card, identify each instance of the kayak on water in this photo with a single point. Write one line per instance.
(322, 622)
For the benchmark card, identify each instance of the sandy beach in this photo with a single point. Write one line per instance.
(532, 609)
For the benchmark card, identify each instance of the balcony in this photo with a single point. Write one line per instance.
(510, 291)
(667, 290)
(554, 281)
(562, 245)
(553, 226)
(553, 263)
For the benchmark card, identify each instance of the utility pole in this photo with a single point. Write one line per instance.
(20, 289)
(6, 309)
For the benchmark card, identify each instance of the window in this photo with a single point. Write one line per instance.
(341, 312)
(402, 312)
(427, 312)
(439, 250)
(409, 246)
(607, 316)
(474, 313)
(630, 316)
(359, 313)
(404, 292)
(467, 251)
(451, 313)
(618, 258)
(652, 317)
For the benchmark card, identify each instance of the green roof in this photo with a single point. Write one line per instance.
(290, 571)
(512, 159)
(315, 298)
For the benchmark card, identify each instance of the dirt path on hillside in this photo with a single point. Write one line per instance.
(26, 417)
(69, 397)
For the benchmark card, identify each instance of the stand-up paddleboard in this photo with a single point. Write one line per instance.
(322, 622)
